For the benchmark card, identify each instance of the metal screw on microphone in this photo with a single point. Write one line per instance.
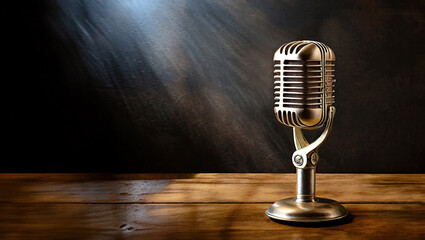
(298, 160)
(313, 158)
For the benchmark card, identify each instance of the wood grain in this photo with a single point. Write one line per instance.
(198, 221)
(201, 206)
(206, 187)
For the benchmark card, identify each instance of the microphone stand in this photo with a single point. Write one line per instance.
(305, 207)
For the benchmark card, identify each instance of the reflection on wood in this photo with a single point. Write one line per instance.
(206, 187)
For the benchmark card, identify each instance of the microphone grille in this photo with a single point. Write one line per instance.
(304, 83)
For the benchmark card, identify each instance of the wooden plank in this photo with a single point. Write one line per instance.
(198, 221)
(205, 188)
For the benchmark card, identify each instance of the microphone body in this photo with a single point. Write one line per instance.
(304, 85)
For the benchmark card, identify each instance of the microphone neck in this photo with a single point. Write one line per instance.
(306, 184)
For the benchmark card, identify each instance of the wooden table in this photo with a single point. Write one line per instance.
(202, 206)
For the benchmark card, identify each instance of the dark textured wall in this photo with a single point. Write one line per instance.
(187, 86)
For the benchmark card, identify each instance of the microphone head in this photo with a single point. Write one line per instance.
(304, 83)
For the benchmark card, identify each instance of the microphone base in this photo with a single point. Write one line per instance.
(319, 210)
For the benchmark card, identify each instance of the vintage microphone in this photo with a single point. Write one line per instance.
(304, 89)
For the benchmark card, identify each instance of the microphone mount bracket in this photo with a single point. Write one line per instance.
(306, 155)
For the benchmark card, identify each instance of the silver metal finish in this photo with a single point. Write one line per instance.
(320, 210)
(298, 160)
(305, 98)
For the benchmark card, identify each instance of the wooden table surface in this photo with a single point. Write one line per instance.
(202, 206)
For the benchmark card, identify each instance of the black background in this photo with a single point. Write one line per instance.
(187, 86)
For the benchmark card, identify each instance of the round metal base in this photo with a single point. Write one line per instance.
(320, 210)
